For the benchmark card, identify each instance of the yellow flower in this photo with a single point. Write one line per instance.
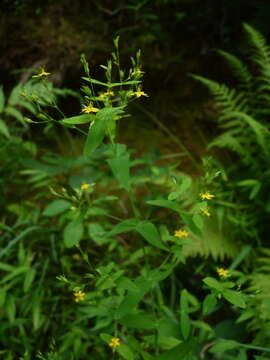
(115, 342)
(139, 93)
(106, 94)
(206, 196)
(223, 272)
(89, 109)
(85, 186)
(139, 72)
(41, 73)
(206, 212)
(79, 296)
(181, 233)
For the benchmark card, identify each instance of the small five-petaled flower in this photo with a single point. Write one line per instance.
(181, 233)
(206, 196)
(139, 93)
(115, 342)
(79, 296)
(223, 272)
(206, 212)
(85, 186)
(90, 109)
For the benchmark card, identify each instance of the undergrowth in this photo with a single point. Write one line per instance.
(110, 255)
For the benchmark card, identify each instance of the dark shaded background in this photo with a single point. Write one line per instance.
(176, 38)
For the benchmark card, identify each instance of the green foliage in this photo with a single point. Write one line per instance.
(98, 250)
(243, 119)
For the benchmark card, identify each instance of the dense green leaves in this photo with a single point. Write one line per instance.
(140, 282)
(139, 321)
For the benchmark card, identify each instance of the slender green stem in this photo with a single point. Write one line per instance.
(134, 207)
(86, 259)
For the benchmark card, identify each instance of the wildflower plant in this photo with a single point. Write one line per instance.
(114, 263)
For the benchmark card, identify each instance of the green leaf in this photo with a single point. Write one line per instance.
(127, 284)
(124, 226)
(28, 106)
(185, 324)
(97, 233)
(99, 128)
(224, 345)
(149, 232)
(29, 278)
(120, 167)
(138, 321)
(17, 271)
(145, 228)
(96, 134)
(235, 298)
(10, 308)
(198, 220)
(15, 95)
(165, 203)
(184, 301)
(173, 195)
(2, 296)
(213, 283)
(56, 207)
(81, 119)
(187, 218)
(93, 81)
(4, 129)
(185, 185)
(73, 232)
(209, 304)
(131, 82)
(146, 356)
(125, 351)
(182, 351)
(245, 315)
(36, 312)
(10, 111)
(133, 297)
(2, 99)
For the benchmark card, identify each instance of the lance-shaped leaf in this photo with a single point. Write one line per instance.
(98, 129)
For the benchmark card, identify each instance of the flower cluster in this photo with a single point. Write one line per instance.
(206, 196)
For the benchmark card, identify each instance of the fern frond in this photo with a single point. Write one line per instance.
(260, 131)
(229, 141)
(239, 69)
(261, 53)
(211, 243)
(260, 290)
(227, 99)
